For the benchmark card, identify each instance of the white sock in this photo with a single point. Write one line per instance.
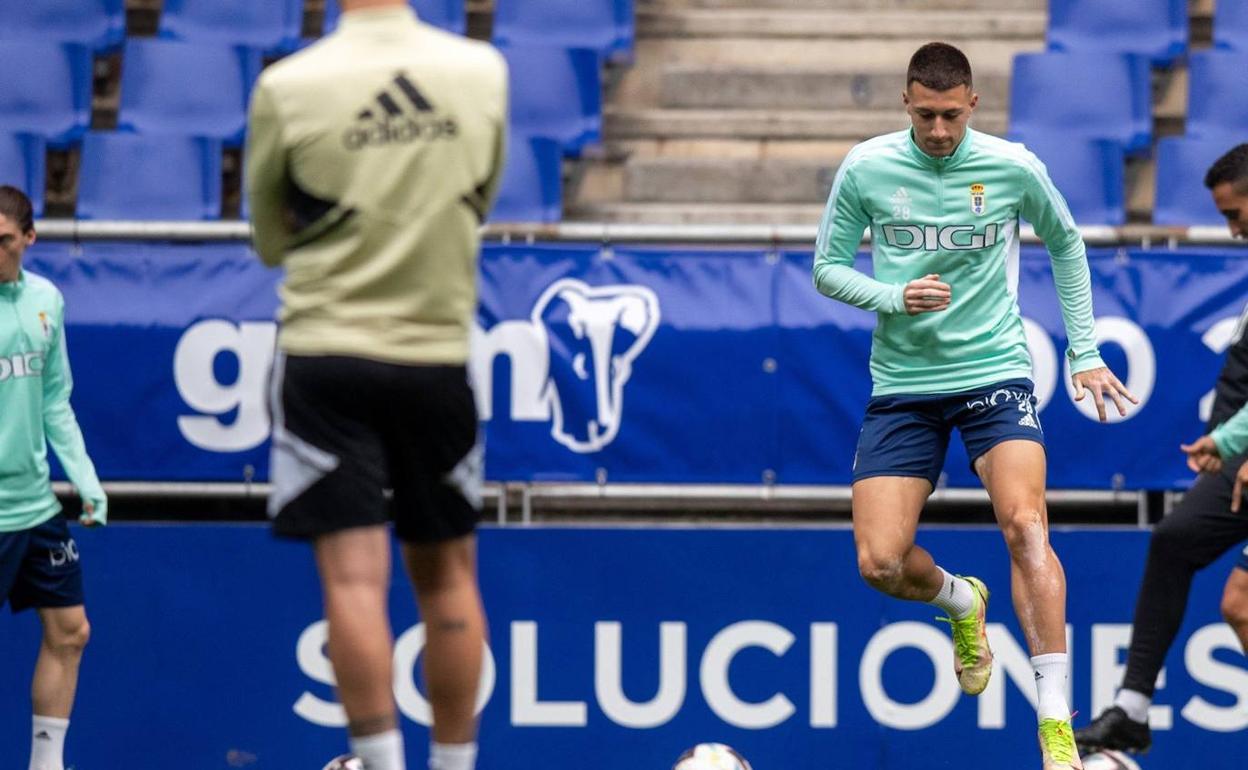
(1052, 674)
(47, 743)
(382, 751)
(956, 596)
(1134, 703)
(452, 756)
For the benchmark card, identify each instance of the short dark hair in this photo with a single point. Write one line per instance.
(15, 206)
(1231, 167)
(939, 66)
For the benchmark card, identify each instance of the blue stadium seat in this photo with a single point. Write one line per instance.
(22, 165)
(1089, 173)
(52, 95)
(265, 24)
(449, 15)
(603, 25)
(556, 93)
(156, 99)
(1154, 28)
(1217, 99)
(130, 176)
(532, 188)
(99, 24)
(1083, 94)
(1182, 161)
(1230, 25)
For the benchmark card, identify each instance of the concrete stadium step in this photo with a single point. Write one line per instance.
(696, 86)
(624, 123)
(913, 6)
(829, 25)
(700, 214)
(729, 180)
(876, 54)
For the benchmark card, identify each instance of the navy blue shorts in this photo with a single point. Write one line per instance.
(39, 567)
(1243, 559)
(908, 435)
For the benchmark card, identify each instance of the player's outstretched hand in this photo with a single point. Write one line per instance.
(927, 295)
(1237, 494)
(1202, 455)
(1099, 382)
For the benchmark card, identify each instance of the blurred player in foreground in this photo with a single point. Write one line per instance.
(372, 160)
(39, 564)
(943, 204)
(1209, 520)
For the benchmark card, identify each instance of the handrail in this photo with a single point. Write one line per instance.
(731, 495)
(603, 232)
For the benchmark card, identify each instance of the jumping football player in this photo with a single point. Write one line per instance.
(943, 204)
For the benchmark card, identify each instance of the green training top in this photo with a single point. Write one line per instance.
(958, 217)
(1231, 436)
(35, 383)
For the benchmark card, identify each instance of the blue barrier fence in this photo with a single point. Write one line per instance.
(614, 649)
(631, 364)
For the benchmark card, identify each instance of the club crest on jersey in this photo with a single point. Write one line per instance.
(43, 322)
(978, 200)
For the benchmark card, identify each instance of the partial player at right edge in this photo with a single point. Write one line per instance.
(1209, 520)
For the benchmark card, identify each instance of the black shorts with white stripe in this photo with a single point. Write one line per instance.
(347, 429)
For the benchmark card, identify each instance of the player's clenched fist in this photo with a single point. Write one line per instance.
(927, 295)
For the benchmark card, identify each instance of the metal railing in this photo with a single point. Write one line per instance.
(522, 498)
(605, 232)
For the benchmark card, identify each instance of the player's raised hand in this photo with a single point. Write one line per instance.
(1202, 455)
(927, 295)
(1101, 382)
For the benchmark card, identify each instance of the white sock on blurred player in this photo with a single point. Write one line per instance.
(1052, 674)
(452, 756)
(383, 751)
(47, 743)
(956, 596)
(1134, 703)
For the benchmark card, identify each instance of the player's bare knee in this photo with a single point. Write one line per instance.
(1235, 608)
(1235, 613)
(67, 640)
(1025, 535)
(351, 585)
(881, 572)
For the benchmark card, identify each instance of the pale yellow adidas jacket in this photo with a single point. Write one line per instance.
(372, 159)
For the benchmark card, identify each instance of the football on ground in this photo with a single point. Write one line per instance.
(345, 762)
(711, 756)
(1109, 760)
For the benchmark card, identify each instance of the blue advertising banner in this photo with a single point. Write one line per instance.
(632, 364)
(615, 649)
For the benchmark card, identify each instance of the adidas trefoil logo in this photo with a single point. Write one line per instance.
(399, 114)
